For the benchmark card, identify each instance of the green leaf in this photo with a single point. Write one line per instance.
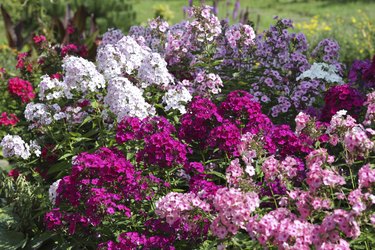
(218, 174)
(10, 239)
(65, 156)
(57, 167)
(38, 240)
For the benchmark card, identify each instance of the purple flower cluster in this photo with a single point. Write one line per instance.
(281, 58)
(362, 74)
(234, 48)
(328, 51)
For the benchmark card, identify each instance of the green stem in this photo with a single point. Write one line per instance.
(367, 248)
(351, 176)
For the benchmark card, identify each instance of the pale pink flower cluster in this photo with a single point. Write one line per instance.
(282, 228)
(301, 121)
(366, 176)
(234, 172)
(206, 26)
(341, 122)
(339, 220)
(316, 175)
(179, 206)
(206, 84)
(370, 114)
(247, 152)
(357, 141)
(354, 136)
(272, 168)
(239, 34)
(234, 209)
(306, 202)
(362, 197)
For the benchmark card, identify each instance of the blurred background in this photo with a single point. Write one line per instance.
(350, 22)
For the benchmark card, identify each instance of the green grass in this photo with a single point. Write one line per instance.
(267, 9)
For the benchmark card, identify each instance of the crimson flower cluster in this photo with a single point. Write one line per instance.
(8, 119)
(21, 88)
(342, 97)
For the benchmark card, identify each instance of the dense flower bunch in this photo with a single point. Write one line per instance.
(100, 184)
(341, 97)
(362, 73)
(21, 88)
(8, 119)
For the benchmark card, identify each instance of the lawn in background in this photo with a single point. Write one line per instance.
(297, 10)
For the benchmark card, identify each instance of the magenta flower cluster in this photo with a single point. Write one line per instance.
(100, 184)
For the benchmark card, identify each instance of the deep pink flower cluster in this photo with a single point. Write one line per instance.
(342, 97)
(200, 185)
(135, 240)
(73, 49)
(201, 117)
(39, 39)
(133, 128)
(23, 63)
(226, 137)
(21, 88)
(284, 141)
(162, 150)
(240, 107)
(8, 119)
(100, 184)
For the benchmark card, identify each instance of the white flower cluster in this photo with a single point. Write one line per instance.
(38, 114)
(123, 57)
(177, 99)
(52, 192)
(81, 75)
(153, 70)
(14, 145)
(51, 88)
(125, 99)
(322, 71)
(128, 57)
